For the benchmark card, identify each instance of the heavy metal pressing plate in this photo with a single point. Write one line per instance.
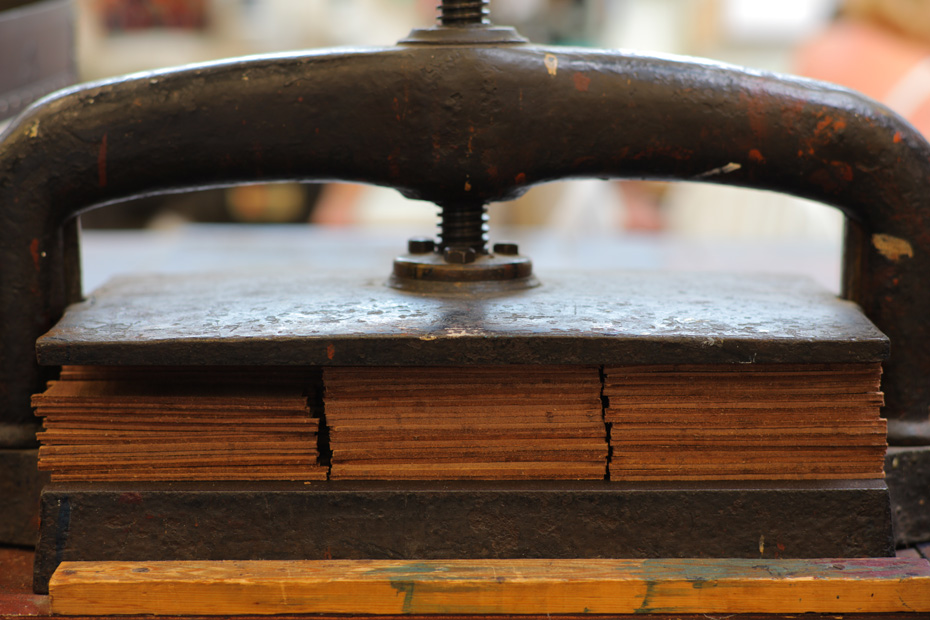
(352, 318)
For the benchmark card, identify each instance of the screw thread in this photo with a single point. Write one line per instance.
(464, 226)
(464, 12)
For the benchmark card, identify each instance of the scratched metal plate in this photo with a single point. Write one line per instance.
(352, 318)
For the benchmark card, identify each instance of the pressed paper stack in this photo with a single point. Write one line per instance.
(109, 424)
(745, 422)
(513, 422)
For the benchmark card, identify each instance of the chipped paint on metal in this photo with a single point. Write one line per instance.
(731, 167)
(892, 248)
(552, 64)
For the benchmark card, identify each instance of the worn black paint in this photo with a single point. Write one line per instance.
(907, 472)
(443, 520)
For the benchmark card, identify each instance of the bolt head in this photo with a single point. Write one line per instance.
(506, 248)
(420, 245)
(459, 256)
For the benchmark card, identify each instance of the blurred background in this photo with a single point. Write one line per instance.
(881, 47)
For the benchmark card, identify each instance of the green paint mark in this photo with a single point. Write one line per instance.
(419, 568)
(700, 584)
(644, 607)
(406, 588)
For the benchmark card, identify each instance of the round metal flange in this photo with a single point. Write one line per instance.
(500, 271)
(459, 290)
(482, 268)
(464, 35)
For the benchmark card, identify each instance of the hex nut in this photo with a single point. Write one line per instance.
(459, 256)
(420, 245)
(506, 248)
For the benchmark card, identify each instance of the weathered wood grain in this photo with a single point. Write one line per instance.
(492, 587)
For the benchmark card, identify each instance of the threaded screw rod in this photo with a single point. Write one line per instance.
(464, 12)
(464, 225)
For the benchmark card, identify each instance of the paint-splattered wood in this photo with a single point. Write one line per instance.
(492, 587)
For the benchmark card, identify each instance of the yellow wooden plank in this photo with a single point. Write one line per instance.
(491, 587)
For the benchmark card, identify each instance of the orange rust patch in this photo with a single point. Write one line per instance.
(330, 352)
(582, 82)
(102, 162)
(823, 124)
(34, 250)
(757, 116)
(755, 155)
(845, 170)
(897, 137)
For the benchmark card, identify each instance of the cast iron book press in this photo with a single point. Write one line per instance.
(463, 114)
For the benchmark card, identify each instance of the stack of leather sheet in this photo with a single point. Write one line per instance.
(745, 422)
(465, 423)
(107, 424)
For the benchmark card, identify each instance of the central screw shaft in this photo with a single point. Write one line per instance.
(464, 226)
(464, 12)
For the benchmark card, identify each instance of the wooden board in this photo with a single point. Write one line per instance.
(383, 587)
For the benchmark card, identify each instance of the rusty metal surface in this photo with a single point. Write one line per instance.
(464, 125)
(358, 520)
(350, 318)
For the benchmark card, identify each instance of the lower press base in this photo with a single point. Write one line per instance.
(436, 520)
